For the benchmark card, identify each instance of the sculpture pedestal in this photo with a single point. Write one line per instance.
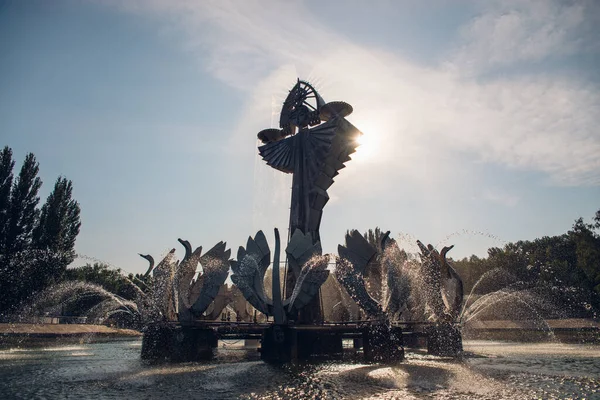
(444, 339)
(282, 344)
(382, 343)
(167, 342)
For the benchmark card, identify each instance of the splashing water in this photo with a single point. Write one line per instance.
(54, 298)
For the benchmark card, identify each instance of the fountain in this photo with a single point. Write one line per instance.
(437, 288)
(313, 143)
(177, 296)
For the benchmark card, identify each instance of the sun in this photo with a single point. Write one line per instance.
(368, 142)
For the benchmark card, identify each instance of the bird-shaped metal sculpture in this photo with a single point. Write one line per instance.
(183, 277)
(398, 283)
(215, 269)
(443, 285)
(452, 286)
(150, 260)
(175, 291)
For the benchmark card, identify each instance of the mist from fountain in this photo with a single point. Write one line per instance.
(56, 298)
(401, 290)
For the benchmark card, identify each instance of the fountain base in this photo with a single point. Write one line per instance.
(382, 343)
(170, 342)
(281, 344)
(444, 339)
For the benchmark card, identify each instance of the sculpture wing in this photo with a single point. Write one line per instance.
(279, 154)
(215, 264)
(350, 269)
(329, 145)
(397, 282)
(249, 271)
(164, 274)
(185, 273)
(300, 249)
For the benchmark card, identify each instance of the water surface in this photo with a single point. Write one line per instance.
(489, 370)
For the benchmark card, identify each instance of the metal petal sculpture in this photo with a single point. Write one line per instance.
(253, 261)
(303, 253)
(249, 272)
(215, 264)
(350, 271)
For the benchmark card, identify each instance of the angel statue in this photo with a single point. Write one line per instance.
(313, 155)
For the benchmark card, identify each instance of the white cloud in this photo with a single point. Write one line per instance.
(500, 197)
(508, 32)
(426, 118)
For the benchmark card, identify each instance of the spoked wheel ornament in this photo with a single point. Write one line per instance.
(303, 107)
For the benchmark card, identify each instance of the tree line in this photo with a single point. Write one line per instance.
(36, 243)
(568, 265)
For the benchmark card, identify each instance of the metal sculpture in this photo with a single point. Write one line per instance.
(150, 259)
(163, 299)
(350, 270)
(396, 297)
(443, 285)
(252, 264)
(313, 155)
(176, 294)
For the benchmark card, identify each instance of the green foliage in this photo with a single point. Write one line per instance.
(567, 263)
(23, 212)
(103, 275)
(59, 221)
(35, 247)
(6, 179)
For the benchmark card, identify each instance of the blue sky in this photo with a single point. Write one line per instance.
(480, 119)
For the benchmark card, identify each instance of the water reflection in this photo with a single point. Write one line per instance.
(489, 370)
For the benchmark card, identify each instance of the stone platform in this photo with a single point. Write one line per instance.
(290, 343)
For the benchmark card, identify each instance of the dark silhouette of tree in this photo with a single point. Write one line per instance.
(23, 213)
(587, 252)
(6, 179)
(35, 247)
(567, 265)
(59, 221)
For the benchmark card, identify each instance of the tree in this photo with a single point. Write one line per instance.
(23, 213)
(6, 178)
(59, 221)
(101, 274)
(35, 247)
(587, 251)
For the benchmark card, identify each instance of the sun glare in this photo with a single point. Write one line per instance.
(368, 143)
